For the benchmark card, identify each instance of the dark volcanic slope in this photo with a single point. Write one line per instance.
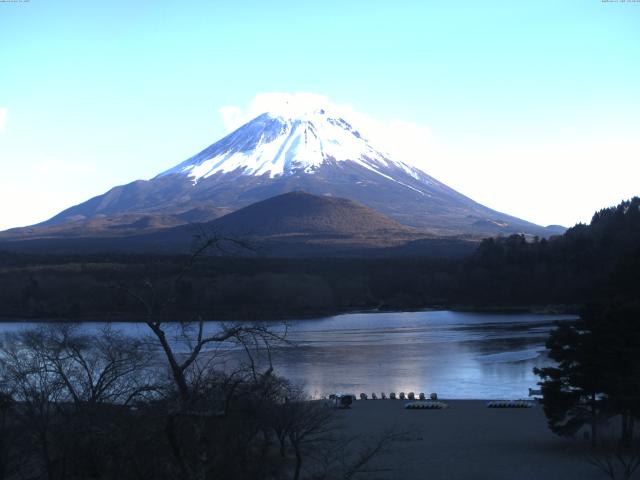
(302, 213)
(420, 203)
(114, 225)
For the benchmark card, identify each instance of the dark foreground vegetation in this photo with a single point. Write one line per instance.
(589, 261)
(74, 406)
(593, 388)
(185, 402)
(597, 372)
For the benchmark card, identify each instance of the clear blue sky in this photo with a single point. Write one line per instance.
(533, 106)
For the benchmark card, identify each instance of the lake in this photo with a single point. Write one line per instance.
(456, 354)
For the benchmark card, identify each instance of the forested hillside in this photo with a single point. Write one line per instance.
(586, 263)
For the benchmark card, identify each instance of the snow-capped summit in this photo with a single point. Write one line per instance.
(294, 138)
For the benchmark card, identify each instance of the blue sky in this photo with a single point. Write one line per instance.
(530, 107)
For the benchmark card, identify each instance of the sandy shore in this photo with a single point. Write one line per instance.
(468, 441)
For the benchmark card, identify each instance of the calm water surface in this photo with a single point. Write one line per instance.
(457, 355)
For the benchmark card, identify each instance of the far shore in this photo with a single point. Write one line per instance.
(467, 441)
(495, 309)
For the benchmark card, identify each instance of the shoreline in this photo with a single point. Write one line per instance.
(499, 310)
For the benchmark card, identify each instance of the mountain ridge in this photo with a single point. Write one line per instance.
(313, 151)
(294, 224)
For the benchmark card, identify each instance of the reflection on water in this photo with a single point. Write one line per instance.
(457, 355)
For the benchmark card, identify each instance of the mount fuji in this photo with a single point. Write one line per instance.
(293, 148)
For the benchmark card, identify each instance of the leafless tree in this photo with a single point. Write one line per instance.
(309, 422)
(64, 382)
(37, 391)
(250, 337)
(9, 435)
(316, 438)
(190, 346)
(617, 460)
(350, 457)
(299, 423)
(106, 368)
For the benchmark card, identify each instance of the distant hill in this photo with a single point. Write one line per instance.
(306, 214)
(292, 224)
(120, 225)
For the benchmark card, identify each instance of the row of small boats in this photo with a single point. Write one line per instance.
(401, 396)
(431, 405)
(510, 404)
(426, 405)
(421, 401)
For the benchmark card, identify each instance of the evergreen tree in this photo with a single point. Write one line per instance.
(597, 372)
(618, 329)
(573, 390)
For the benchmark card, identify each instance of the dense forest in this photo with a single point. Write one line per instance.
(588, 263)
(592, 261)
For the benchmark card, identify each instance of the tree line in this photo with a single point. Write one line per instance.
(595, 381)
(588, 261)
